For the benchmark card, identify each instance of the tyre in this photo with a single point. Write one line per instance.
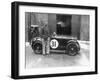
(72, 48)
(37, 47)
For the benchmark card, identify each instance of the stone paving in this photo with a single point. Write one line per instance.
(57, 60)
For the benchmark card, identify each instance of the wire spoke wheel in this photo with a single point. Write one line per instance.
(37, 48)
(72, 49)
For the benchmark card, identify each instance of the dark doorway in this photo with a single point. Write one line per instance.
(63, 24)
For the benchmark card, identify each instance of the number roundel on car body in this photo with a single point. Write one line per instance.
(54, 43)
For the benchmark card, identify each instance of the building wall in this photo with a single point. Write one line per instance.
(80, 27)
(27, 24)
(52, 23)
(34, 19)
(76, 24)
(84, 30)
(79, 24)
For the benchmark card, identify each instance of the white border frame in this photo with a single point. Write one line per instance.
(39, 9)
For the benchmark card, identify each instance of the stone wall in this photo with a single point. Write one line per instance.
(84, 30)
(79, 24)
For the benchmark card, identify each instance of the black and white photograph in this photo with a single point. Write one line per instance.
(56, 40)
(53, 40)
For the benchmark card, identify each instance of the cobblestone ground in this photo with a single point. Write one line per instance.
(57, 60)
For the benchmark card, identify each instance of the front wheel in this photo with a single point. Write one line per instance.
(72, 48)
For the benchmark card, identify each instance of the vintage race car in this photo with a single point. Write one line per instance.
(56, 44)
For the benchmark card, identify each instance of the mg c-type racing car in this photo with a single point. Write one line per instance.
(55, 44)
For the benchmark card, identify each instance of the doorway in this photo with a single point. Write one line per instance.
(63, 24)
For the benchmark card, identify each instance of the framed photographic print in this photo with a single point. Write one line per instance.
(50, 40)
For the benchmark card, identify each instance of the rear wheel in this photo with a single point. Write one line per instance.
(37, 47)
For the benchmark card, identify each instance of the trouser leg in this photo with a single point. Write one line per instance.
(43, 47)
(47, 46)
